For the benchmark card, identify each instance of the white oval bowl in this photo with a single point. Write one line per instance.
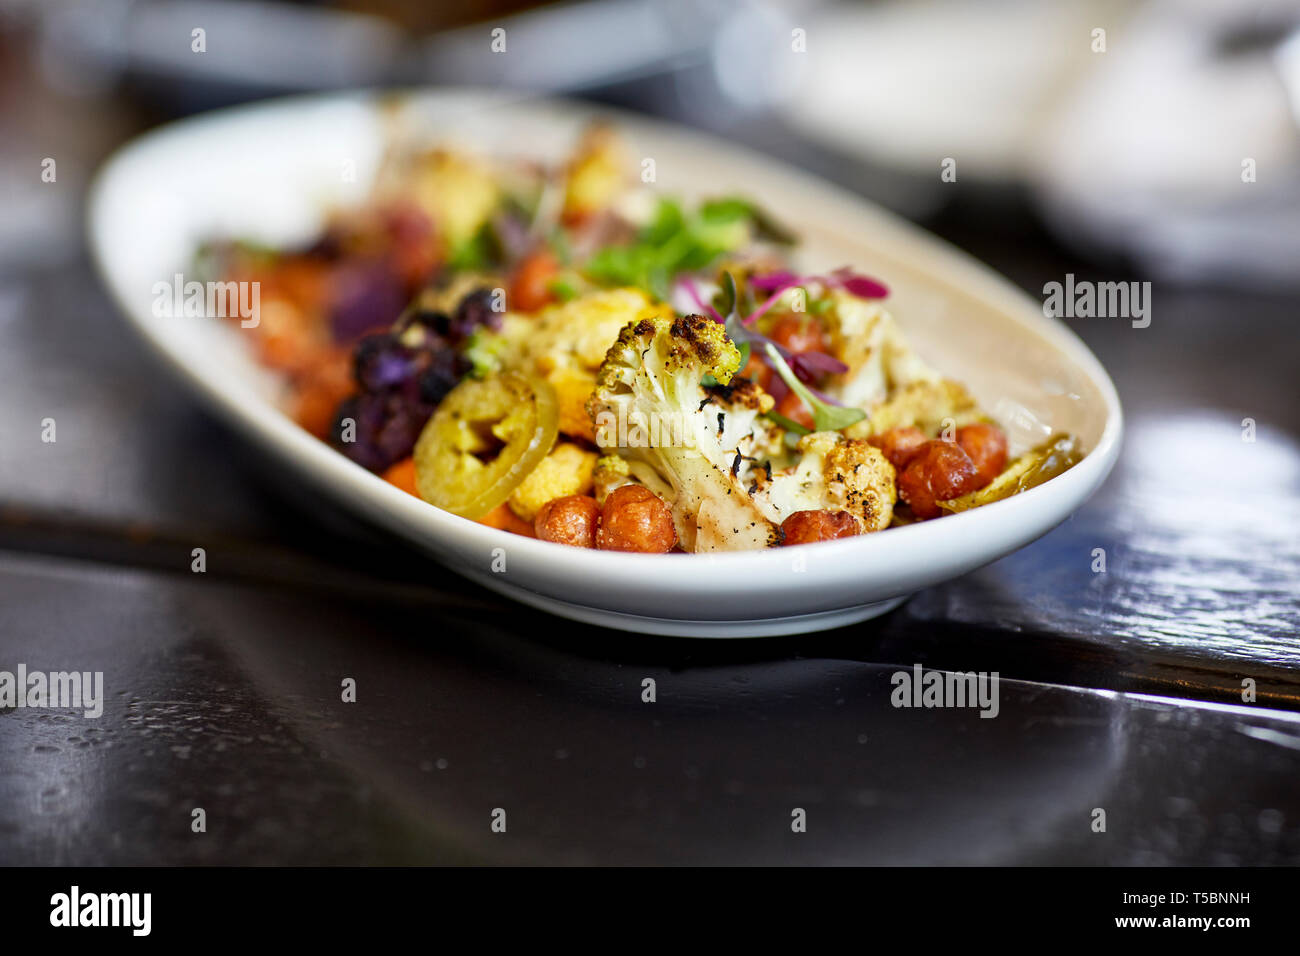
(270, 171)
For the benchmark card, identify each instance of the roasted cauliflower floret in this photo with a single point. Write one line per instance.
(860, 480)
(567, 470)
(833, 474)
(650, 406)
(865, 337)
(928, 405)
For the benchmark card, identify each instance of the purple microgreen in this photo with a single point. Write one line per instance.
(816, 364)
(774, 279)
(851, 282)
(859, 285)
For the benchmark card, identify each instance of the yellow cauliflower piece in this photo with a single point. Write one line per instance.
(457, 192)
(567, 470)
(614, 471)
(598, 173)
(611, 472)
(578, 333)
(572, 389)
(566, 343)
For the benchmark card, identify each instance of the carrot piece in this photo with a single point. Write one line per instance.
(757, 371)
(530, 286)
(322, 389)
(502, 517)
(800, 334)
(402, 475)
(793, 408)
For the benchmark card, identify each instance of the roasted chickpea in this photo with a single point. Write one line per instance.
(805, 527)
(987, 447)
(899, 445)
(799, 333)
(570, 520)
(793, 408)
(634, 518)
(940, 470)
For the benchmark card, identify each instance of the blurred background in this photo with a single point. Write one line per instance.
(1155, 141)
(1127, 129)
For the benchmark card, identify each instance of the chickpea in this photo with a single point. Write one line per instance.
(899, 445)
(940, 470)
(805, 527)
(571, 520)
(793, 408)
(634, 518)
(799, 334)
(987, 447)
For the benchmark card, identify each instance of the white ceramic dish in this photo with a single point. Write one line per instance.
(269, 171)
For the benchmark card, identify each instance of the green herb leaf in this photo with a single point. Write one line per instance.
(736, 208)
(789, 424)
(483, 349)
(477, 253)
(564, 287)
(672, 243)
(725, 300)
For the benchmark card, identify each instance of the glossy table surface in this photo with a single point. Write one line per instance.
(1120, 690)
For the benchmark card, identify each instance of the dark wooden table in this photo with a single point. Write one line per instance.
(1120, 690)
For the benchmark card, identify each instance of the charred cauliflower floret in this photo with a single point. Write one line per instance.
(833, 474)
(650, 407)
(860, 480)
